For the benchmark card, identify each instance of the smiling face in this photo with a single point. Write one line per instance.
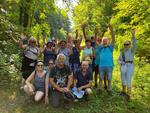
(61, 59)
(40, 66)
(51, 64)
(127, 45)
(105, 41)
(32, 42)
(85, 65)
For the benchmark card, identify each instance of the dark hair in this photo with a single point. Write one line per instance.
(62, 41)
(38, 62)
(88, 40)
(92, 37)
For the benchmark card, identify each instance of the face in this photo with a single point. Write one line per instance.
(33, 43)
(51, 64)
(85, 65)
(63, 45)
(61, 60)
(105, 42)
(40, 66)
(88, 44)
(49, 45)
(127, 45)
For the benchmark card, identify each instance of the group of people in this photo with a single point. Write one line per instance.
(63, 72)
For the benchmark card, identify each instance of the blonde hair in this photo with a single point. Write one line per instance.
(61, 55)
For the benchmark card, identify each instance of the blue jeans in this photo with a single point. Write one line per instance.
(106, 71)
(75, 68)
(126, 74)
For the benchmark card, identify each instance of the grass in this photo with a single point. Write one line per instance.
(12, 101)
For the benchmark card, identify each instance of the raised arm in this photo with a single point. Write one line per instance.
(112, 34)
(133, 40)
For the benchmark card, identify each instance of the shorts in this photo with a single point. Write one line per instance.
(106, 71)
(27, 73)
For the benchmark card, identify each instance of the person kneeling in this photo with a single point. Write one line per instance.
(39, 88)
(83, 79)
(61, 80)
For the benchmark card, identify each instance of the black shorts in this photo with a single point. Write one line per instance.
(95, 68)
(27, 73)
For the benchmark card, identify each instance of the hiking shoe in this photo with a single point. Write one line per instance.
(105, 87)
(95, 85)
(99, 92)
(109, 92)
(127, 97)
(122, 94)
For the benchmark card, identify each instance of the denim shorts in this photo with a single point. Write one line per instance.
(106, 71)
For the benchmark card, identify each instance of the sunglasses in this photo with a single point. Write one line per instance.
(126, 44)
(40, 65)
(33, 42)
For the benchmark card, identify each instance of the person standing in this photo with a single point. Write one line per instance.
(126, 64)
(106, 64)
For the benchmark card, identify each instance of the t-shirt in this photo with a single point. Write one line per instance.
(82, 80)
(106, 56)
(60, 75)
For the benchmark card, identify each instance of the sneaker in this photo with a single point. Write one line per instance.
(105, 87)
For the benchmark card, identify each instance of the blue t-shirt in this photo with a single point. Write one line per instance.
(105, 55)
(82, 80)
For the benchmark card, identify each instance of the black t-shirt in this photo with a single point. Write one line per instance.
(60, 75)
(82, 80)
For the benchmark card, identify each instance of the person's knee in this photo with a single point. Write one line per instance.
(88, 91)
(38, 96)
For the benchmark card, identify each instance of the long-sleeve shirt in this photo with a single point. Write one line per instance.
(129, 54)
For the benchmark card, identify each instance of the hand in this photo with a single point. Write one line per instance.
(46, 100)
(61, 90)
(79, 89)
(123, 63)
(66, 89)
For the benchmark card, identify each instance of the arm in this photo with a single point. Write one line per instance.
(54, 85)
(133, 40)
(112, 34)
(86, 86)
(70, 81)
(29, 79)
(46, 88)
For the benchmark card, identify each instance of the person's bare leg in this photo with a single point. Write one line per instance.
(38, 96)
(29, 91)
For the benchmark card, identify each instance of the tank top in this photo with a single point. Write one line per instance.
(87, 52)
(39, 81)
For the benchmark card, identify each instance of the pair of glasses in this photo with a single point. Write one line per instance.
(126, 44)
(40, 65)
(33, 42)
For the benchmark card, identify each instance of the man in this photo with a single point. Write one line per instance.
(61, 80)
(106, 64)
(83, 78)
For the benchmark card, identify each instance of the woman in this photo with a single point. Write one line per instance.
(39, 88)
(30, 55)
(88, 54)
(49, 53)
(127, 65)
(75, 56)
